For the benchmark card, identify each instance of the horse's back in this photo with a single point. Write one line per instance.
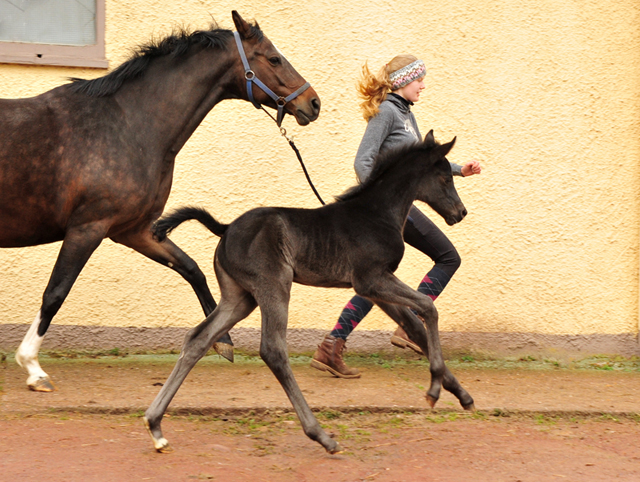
(42, 141)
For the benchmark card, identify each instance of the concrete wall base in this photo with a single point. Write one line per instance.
(61, 337)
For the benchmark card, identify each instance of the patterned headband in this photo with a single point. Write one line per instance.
(406, 75)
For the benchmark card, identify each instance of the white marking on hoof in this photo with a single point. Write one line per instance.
(27, 354)
(160, 444)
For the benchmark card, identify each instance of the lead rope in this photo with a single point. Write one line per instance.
(283, 132)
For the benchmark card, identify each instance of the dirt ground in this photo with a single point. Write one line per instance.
(536, 421)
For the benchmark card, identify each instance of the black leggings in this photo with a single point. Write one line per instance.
(421, 233)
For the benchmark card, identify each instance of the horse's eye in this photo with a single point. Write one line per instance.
(275, 61)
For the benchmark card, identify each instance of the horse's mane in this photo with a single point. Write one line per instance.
(176, 45)
(381, 164)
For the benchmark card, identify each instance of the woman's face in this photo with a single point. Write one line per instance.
(411, 91)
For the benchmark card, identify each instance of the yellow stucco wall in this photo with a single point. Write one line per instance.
(546, 94)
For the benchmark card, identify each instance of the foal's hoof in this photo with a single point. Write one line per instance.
(42, 385)
(224, 350)
(431, 400)
(335, 450)
(164, 449)
(469, 407)
(160, 444)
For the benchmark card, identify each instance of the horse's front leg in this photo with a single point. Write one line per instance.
(78, 246)
(274, 306)
(168, 254)
(196, 344)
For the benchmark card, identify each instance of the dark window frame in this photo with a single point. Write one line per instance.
(61, 55)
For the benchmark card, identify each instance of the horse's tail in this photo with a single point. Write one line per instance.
(163, 226)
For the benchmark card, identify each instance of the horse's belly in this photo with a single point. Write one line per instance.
(23, 232)
(20, 227)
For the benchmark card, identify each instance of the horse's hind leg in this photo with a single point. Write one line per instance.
(273, 350)
(76, 250)
(235, 305)
(416, 331)
(168, 254)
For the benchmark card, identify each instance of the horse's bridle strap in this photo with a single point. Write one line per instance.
(251, 78)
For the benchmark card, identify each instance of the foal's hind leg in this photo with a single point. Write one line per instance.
(274, 304)
(235, 305)
(168, 254)
(416, 331)
(78, 246)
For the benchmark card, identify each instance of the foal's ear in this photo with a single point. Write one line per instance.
(242, 27)
(444, 149)
(429, 140)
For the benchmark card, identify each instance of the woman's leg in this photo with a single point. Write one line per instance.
(421, 233)
(352, 314)
(328, 356)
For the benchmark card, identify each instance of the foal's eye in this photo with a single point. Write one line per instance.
(275, 61)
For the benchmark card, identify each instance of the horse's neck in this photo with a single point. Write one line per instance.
(175, 95)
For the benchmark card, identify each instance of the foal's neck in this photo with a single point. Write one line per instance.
(392, 194)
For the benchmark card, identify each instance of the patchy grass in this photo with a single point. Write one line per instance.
(383, 360)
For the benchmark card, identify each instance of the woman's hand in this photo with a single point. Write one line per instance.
(471, 168)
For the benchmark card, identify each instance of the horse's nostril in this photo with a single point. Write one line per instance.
(464, 212)
(316, 104)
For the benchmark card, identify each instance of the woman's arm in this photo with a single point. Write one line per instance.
(378, 128)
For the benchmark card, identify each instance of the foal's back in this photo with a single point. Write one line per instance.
(319, 247)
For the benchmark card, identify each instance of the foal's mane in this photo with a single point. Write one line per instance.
(381, 164)
(175, 45)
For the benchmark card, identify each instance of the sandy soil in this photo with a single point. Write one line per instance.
(234, 423)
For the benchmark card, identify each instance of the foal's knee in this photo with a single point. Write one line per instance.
(429, 310)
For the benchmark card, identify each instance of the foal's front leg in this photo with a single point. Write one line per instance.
(416, 331)
(388, 290)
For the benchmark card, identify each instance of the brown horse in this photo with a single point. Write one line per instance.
(355, 242)
(94, 159)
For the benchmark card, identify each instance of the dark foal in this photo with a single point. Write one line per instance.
(354, 242)
(94, 159)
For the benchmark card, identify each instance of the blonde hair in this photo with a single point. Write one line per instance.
(374, 88)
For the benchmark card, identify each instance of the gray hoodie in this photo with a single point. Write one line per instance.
(393, 126)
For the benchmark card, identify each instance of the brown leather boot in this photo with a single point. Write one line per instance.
(328, 358)
(401, 340)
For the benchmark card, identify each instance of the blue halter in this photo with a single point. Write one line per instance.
(252, 79)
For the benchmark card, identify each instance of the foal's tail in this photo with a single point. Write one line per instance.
(168, 223)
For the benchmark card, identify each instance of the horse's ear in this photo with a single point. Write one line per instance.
(444, 149)
(242, 27)
(429, 140)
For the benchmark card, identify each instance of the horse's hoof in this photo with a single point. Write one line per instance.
(224, 350)
(470, 407)
(431, 400)
(42, 385)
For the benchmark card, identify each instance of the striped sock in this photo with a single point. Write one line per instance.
(352, 314)
(434, 283)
